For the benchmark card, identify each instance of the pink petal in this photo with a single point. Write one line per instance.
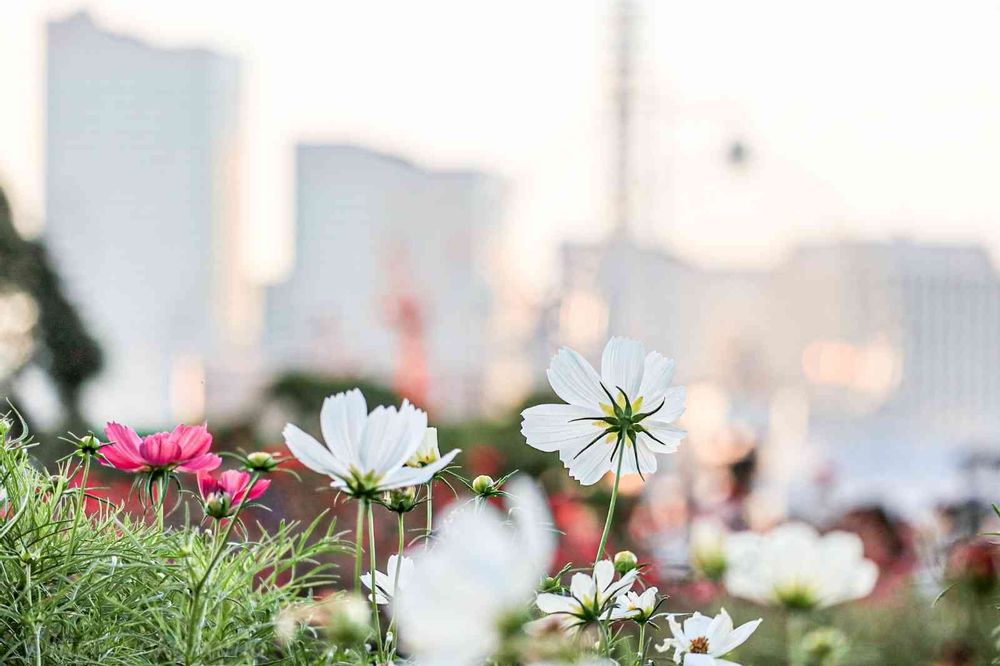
(121, 458)
(206, 484)
(192, 440)
(160, 450)
(121, 435)
(233, 481)
(258, 489)
(203, 463)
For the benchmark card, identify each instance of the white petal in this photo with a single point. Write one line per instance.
(673, 405)
(604, 574)
(556, 603)
(311, 453)
(622, 366)
(718, 631)
(551, 427)
(657, 374)
(575, 380)
(415, 476)
(737, 638)
(700, 660)
(391, 437)
(697, 625)
(582, 586)
(342, 420)
(588, 467)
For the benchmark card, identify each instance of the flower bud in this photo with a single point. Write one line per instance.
(550, 584)
(825, 646)
(400, 500)
(349, 619)
(482, 484)
(5, 427)
(625, 561)
(88, 445)
(218, 505)
(261, 461)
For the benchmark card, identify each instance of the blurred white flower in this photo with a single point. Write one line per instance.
(708, 548)
(795, 567)
(480, 574)
(385, 583)
(636, 606)
(427, 453)
(365, 454)
(591, 597)
(626, 410)
(701, 640)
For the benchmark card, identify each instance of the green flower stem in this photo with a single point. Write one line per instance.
(642, 643)
(399, 565)
(161, 500)
(430, 513)
(79, 504)
(611, 506)
(359, 534)
(197, 609)
(795, 624)
(372, 564)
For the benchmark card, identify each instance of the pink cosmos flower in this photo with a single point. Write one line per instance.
(184, 450)
(224, 494)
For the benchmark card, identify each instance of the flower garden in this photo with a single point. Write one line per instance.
(184, 572)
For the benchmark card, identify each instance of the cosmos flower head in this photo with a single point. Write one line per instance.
(624, 415)
(185, 449)
(703, 641)
(366, 454)
(591, 597)
(463, 593)
(221, 496)
(795, 567)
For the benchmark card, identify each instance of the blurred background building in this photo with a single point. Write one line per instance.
(393, 276)
(141, 197)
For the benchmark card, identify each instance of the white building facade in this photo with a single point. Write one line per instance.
(141, 198)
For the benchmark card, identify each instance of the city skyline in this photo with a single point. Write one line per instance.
(915, 161)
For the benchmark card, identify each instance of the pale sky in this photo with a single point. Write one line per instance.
(871, 118)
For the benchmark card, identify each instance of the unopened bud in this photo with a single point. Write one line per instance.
(482, 484)
(218, 505)
(625, 561)
(261, 461)
(550, 584)
(5, 427)
(88, 445)
(400, 500)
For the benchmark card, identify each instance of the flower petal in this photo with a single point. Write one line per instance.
(342, 421)
(311, 453)
(203, 463)
(556, 603)
(192, 441)
(575, 380)
(738, 636)
(622, 365)
(658, 372)
(414, 476)
(551, 427)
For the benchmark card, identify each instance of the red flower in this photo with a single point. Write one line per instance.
(222, 495)
(185, 450)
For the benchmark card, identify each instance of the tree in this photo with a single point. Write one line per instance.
(62, 346)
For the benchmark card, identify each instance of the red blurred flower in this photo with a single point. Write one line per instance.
(184, 450)
(222, 496)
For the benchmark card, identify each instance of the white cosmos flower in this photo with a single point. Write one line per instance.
(385, 583)
(591, 597)
(635, 605)
(482, 570)
(586, 431)
(365, 454)
(793, 566)
(701, 641)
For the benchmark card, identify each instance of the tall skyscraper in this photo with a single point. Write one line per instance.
(392, 277)
(141, 199)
